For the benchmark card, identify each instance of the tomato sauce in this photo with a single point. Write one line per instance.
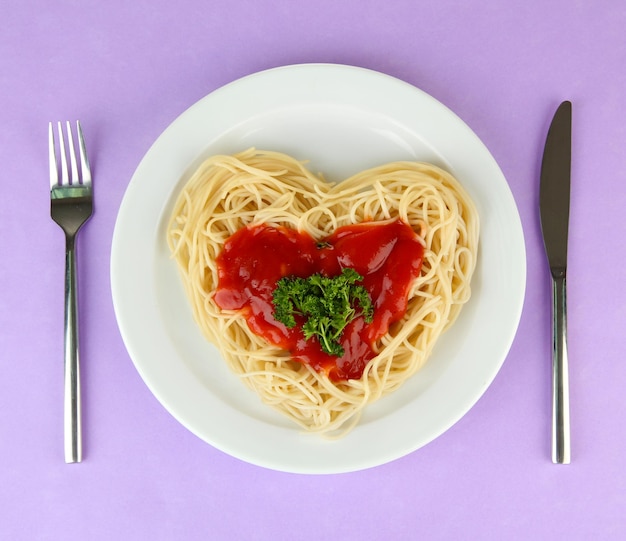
(388, 255)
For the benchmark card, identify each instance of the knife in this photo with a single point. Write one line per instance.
(554, 196)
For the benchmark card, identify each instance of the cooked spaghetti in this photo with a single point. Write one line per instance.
(228, 193)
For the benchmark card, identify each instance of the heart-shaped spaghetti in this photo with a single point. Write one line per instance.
(228, 193)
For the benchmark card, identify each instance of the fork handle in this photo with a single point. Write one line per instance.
(71, 413)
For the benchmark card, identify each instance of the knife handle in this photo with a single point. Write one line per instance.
(560, 376)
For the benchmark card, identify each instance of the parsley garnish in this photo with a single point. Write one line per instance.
(327, 304)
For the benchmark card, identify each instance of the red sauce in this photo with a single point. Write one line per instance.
(388, 255)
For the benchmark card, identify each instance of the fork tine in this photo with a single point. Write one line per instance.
(54, 170)
(84, 162)
(65, 181)
(74, 179)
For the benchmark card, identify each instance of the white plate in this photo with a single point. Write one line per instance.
(343, 119)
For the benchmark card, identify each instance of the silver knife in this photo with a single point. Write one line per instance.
(554, 200)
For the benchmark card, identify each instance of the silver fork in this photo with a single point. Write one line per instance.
(71, 205)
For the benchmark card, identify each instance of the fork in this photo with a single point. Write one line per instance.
(71, 205)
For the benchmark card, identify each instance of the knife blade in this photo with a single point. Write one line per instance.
(554, 203)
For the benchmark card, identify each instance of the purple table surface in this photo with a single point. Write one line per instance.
(127, 70)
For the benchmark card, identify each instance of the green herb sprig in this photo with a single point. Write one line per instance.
(327, 304)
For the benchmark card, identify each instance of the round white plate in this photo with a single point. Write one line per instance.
(343, 119)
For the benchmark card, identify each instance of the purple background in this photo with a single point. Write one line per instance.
(126, 70)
